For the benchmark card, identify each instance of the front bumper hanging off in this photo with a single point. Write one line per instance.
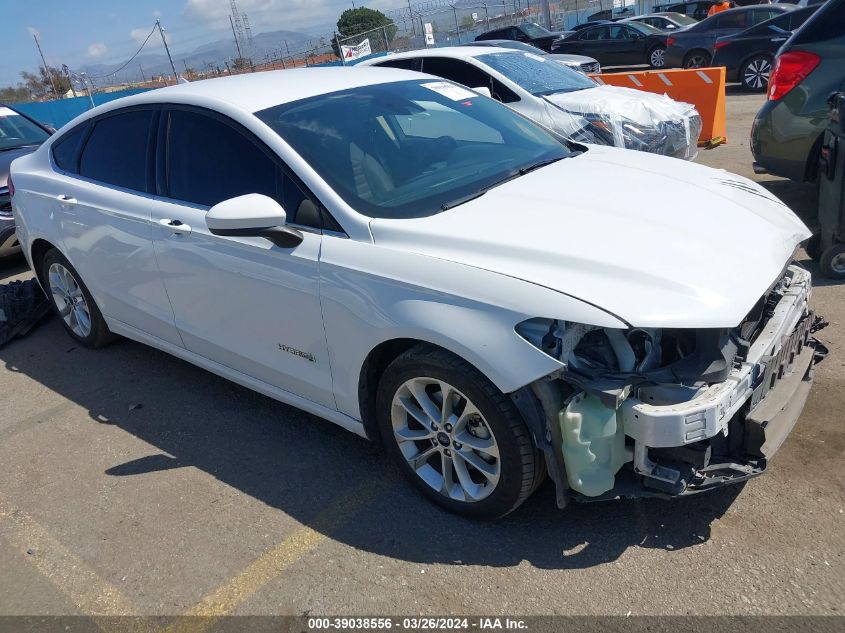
(686, 441)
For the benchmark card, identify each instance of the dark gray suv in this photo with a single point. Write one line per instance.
(19, 135)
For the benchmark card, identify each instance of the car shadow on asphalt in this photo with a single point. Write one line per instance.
(304, 466)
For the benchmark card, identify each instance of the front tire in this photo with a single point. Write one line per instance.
(459, 439)
(72, 301)
(697, 59)
(657, 57)
(755, 73)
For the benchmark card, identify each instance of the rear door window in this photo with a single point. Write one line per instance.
(737, 20)
(116, 150)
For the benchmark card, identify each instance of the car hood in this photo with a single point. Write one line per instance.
(6, 158)
(656, 241)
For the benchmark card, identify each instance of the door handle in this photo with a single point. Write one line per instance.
(175, 226)
(66, 199)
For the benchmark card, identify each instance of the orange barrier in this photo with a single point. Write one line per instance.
(702, 87)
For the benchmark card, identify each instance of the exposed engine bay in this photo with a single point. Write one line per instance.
(668, 412)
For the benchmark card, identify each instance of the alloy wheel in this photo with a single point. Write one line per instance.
(757, 72)
(837, 264)
(69, 300)
(699, 60)
(445, 439)
(658, 58)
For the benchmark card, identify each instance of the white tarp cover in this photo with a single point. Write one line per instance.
(579, 108)
(630, 118)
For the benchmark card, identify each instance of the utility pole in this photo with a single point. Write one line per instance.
(167, 49)
(141, 68)
(46, 68)
(237, 43)
(546, 12)
(411, 14)
(69, 79)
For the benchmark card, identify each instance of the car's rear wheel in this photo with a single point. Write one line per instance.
(832, 262)
(657, 57)
(73, 302)
(755, 73)
(697, 59)
(459, 439)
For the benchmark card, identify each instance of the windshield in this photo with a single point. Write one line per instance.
(538, 75)
(534, 30)
(18, 131)
(411, 148)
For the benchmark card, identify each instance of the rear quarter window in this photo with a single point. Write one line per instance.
(65, 150)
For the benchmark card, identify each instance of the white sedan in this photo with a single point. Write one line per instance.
(425, 267)
(560, 98)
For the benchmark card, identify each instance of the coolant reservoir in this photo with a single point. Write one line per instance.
(593, 445)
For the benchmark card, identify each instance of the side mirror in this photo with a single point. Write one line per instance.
(484, 91)
(253, 215)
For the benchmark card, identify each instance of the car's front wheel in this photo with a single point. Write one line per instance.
(73, 302)
(657, 57)
(755, 73)
(459, 439)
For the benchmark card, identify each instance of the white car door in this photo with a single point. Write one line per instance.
(101, 201)
(239, 301)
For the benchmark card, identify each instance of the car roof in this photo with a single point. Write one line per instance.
(455, 52)
(256, 91)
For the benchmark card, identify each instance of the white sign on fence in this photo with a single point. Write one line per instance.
(429, 34)
(351, 53)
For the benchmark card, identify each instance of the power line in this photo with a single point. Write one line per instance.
(114, 72)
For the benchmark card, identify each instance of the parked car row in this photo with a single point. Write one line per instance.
(744, 39)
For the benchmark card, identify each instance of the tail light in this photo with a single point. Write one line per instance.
(790, 69)
(719, 45)
(11, 186)
(670, 41)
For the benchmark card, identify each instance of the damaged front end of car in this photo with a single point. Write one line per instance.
(670, 412)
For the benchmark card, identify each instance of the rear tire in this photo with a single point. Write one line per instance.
(72, 301)
(697, 59)
(754, 74)
(475, 434)
(657, 57)
(832, 262)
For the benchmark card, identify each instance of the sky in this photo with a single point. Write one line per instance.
(79, 32)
